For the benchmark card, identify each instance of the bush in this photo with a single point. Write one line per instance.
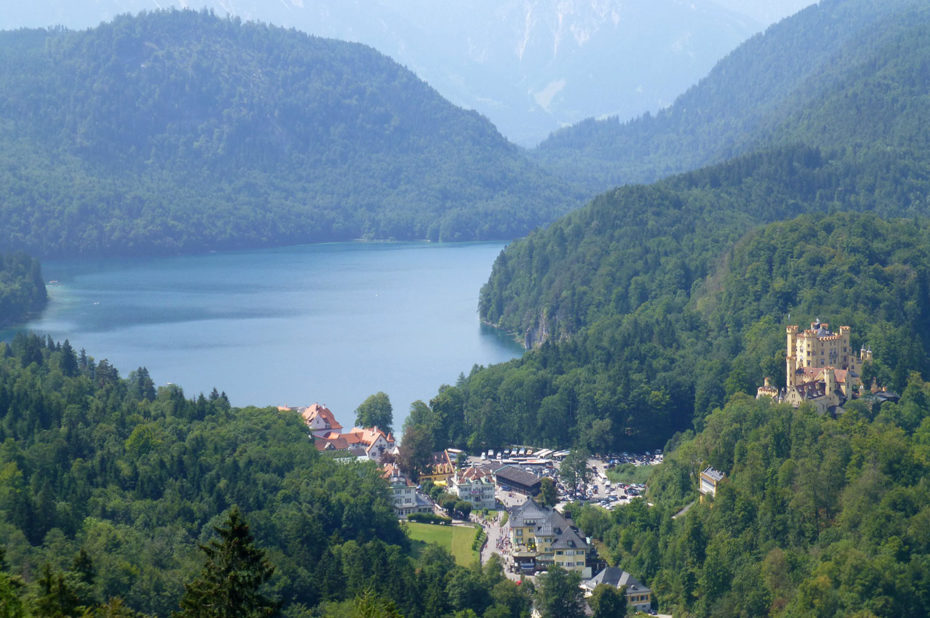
(480, 538)
(463, 508)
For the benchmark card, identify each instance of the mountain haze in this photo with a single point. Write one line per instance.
(179, 131)
(529, 66)
(747, 101)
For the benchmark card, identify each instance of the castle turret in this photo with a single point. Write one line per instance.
(791, 358)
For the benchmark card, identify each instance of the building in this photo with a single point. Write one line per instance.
(541, 537)
(710, 478)
(407, 499)
(360, 442)
(320, 420)
(638, 596)
(820, 368)
(440, 469)
(475, 485)
(513, 478)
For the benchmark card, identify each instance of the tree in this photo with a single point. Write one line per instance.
(11, 589)
(559, 594)
(548, 496)
(574, 470)
(608, 602)
(375, 411)
(416, 451)
(230, 582)
(56, 596)
(463, 508)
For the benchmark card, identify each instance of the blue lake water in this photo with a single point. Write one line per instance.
(331, 323)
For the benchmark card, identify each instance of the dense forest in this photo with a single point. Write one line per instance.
(629, 380)
(779, 85)
(635, 325)
(22, 289)
(108, 486)
(816, 516)
(180, 131)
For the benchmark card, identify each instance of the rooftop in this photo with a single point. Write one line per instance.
(517, 476)
(616, 577)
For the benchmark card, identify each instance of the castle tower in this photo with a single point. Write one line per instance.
(791, 360)
(829, 379)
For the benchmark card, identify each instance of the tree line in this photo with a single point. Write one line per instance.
(109, 486)
(185, 132)
(22, 288)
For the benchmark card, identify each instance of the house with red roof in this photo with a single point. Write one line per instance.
(365, 442)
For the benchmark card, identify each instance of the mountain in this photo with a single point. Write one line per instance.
(618, 300)
(112, 490)
(180, 131)
(747, 101)
(816, 516)
(529, 66)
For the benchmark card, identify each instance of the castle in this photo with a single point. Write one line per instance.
(821, 368)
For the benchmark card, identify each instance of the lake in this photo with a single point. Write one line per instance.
(328, 323)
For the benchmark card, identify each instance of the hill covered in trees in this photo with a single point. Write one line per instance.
(816, 517)
(108, 485)
(631, 378)
(179, 131)
(622, 297)
(22, 289)
(796, 82)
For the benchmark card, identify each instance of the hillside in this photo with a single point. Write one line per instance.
(22, 289)
(530, 66)
(179, 131)
(778, 85)
(108, 485)
(816, 517)
(858, 143)
(620, 299)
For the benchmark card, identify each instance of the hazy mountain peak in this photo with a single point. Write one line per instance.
(530, 66)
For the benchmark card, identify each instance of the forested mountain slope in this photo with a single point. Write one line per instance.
(179, 131)
(107, 486)
(864, 135)
(779, 84)
(632, 377)
(530, 66)
(22, 289)
(816, 517)
(622, 296)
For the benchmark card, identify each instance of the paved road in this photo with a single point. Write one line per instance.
(498, 543)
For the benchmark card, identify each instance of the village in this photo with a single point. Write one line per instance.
(517, 495)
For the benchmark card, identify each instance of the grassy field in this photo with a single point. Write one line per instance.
(457, 539)
(628, 473)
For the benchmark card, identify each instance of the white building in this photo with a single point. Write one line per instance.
(474, 485)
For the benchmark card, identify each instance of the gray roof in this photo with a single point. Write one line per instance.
(618, 578)
(528, 510)
(547, 523)
(517, 476)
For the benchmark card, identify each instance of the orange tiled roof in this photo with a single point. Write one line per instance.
(817, 374)
(315, 410)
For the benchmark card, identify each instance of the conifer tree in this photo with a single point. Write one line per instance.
(231, 579)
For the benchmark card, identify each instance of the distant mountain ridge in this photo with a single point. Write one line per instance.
(180, 131)
(531, 66)
(747, 101)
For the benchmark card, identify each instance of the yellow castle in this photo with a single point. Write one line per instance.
(821, 367)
